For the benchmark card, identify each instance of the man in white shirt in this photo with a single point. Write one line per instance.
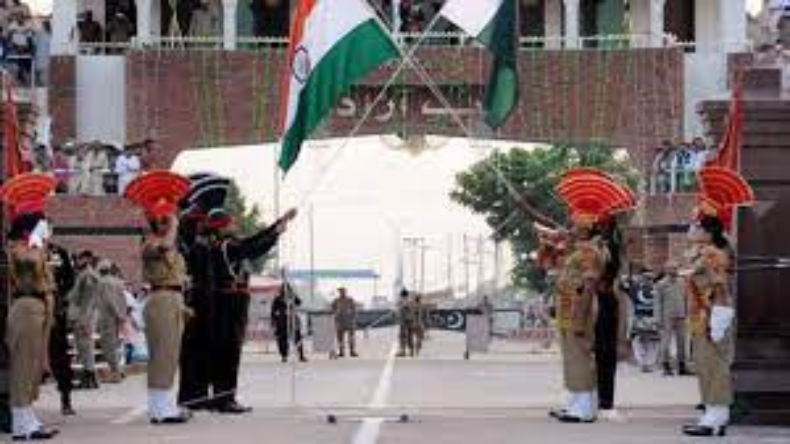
(127, 167)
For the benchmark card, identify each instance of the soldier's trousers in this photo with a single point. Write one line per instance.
(110, 343)
(606, 327)
(578, 362)
(164, 326)
(228, 332)
(59, 359)
(84, 343)
(713, 370)
(406, 338)
(195, 376)
(348, 333)
(676, 330)
(26, 338)
(284, 342)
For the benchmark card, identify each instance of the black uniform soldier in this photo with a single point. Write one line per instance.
(230, 258)
(59, 359)
(207, 191)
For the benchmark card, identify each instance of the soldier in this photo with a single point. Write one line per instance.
(231, 257)
(31, 285)
(59, 358)
(207, 191)
(164, 270)
(286, 323)
(711, 313)
(407, 318)
(612, 317)
(82, 313)
(671, 311)
(112, 310)
(420, 324)
(591, 196)
(345, 311)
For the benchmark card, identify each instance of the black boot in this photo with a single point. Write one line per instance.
(683, 370)
(65, 405)
(93, 383)
(668, 369)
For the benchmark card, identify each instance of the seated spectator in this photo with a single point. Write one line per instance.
(5, 14)
(19, 37)
(42, 159)
(120, 29)
(270, 18)
(90, 31)
(60, 164)
(19, 9)
(207, 19)
(779, 16)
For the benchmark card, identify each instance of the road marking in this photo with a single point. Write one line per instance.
(370, 429)
(130, 416)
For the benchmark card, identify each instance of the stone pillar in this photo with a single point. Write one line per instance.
(64, 27)
(572, 24)
(145, 21)
(647, 22)
(553, 24)
(229, 24)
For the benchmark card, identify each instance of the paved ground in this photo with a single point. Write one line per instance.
(499, 398)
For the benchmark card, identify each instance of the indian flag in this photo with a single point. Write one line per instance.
(492, 23)
(333, 44)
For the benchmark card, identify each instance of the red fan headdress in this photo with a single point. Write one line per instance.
(721, 190)
(158, 192)
(592, 195)
(27, 193)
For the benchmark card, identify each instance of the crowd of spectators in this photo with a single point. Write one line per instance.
(24, 43)
(95, 168)
(675, 166)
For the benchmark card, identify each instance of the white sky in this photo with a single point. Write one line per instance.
(45, 6)
(367, 199)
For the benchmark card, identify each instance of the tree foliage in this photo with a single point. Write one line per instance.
(247, 219)
(492, 187)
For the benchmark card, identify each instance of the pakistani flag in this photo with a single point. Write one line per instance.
(334, 43)
(492, 23)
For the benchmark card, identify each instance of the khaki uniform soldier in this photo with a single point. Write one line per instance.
(671, 312)
(164, 269)
(111, 306)
(407, 321)
(344, 309)
(31, 285)
(83, 299)
(711, 315)
(420, 323)
(593, 197)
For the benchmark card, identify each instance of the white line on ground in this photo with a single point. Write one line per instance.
(130, 416)
(369, 430)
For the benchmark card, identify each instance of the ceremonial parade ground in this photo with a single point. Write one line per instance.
(501, 398)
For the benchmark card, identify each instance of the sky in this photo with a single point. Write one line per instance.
(364, 199)
(44, 6)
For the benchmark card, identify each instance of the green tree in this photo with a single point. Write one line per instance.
(494, 187)
(247, 219)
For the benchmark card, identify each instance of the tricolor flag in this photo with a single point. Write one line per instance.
(492, 23)
(333, 44)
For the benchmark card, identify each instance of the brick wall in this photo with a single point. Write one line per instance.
(631, 98)
(109, 226)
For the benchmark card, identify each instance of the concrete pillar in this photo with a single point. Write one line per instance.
(733, 33)
(553, 24)
(145, 21)
(229, 24)
(708, 28)
(572, 24)
(656, 30)
(639, 17)
(64, 27)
